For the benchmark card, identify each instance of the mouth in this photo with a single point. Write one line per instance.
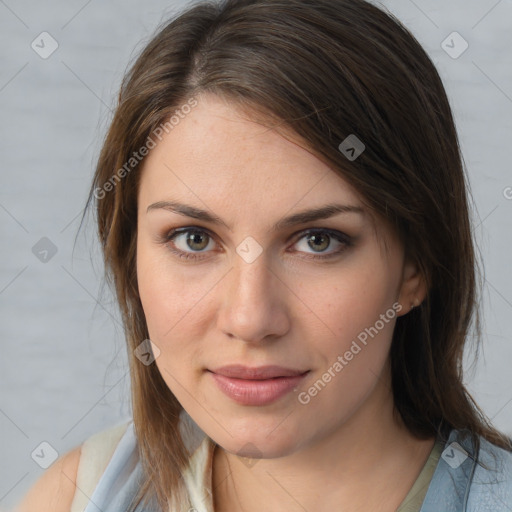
(256, 386)
(239, 371)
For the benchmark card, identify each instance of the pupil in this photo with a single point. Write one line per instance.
(317, 241)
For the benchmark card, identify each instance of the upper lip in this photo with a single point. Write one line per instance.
(239, 371)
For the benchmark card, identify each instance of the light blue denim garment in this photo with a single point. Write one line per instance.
(459, 484)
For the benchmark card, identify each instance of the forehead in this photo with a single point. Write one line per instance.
(217, 150)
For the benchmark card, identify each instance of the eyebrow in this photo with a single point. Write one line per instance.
(303, 217)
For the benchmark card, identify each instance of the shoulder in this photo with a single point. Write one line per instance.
(496, 460)
(470, 477)
(80, 468)
(55, 489)
(491, 485)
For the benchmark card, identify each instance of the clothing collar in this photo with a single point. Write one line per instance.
(449, 488)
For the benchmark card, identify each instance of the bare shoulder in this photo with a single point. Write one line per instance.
(55, 489)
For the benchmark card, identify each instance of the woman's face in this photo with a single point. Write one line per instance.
(247, 281)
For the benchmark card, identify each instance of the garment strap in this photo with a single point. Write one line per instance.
(96, 452)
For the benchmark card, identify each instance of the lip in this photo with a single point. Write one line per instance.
(239, 371)
(256, 386)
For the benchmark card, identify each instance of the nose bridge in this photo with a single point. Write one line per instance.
(251, 283)
(252, 277)
(252, 302)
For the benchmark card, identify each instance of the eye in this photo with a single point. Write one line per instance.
(319, 240)
(185, 242)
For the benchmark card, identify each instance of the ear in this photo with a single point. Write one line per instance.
(413, 289)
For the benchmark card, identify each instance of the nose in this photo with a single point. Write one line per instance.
(254, 307)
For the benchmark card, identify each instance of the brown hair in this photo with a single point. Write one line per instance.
(325, 69)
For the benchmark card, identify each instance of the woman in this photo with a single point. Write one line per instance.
(284, 216)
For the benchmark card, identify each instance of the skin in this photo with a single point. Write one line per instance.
(285, 308)
(55, 489)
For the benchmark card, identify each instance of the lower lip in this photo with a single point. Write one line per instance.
(256, 392)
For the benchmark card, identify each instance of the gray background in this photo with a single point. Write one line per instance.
(63, 367)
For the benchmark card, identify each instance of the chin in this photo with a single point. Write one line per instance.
(258, 448)
(259, 439)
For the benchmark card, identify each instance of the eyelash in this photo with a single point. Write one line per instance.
(344, 239)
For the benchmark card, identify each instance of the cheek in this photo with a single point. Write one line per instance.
(168, 293)
(354, 352)
(177, 304)
(359, 309)
(169, 299)
(354, 299)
